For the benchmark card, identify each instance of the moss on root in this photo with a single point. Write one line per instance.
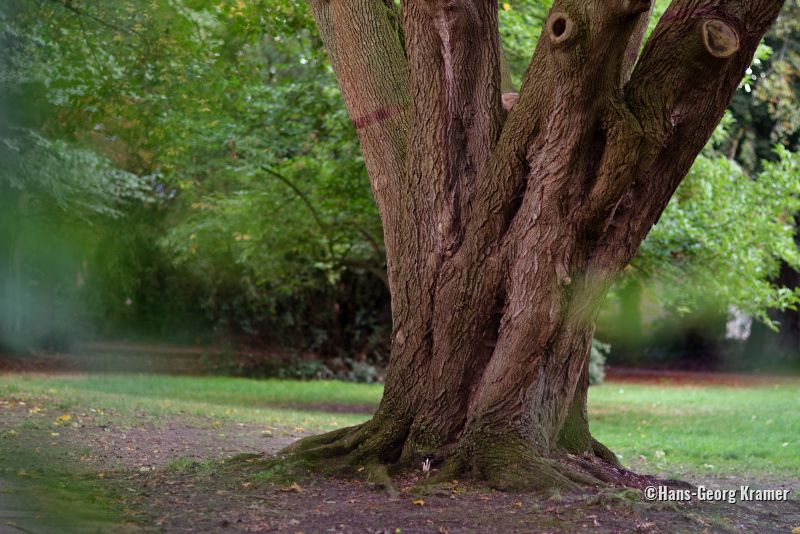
(367, 450)
(373, 451)
(511, 464)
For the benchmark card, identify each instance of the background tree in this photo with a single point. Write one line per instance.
(182, 92)
(767, 117)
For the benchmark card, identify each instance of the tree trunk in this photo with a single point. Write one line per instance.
(505, 230)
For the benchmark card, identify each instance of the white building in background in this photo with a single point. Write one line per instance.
(739, 324)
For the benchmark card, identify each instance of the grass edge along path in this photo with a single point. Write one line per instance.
(668, 429)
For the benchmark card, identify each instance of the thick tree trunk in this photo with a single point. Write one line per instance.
(504, 230)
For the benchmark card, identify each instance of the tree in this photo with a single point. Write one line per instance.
(504, 231)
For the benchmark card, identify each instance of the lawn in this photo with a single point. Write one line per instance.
(701, 432)
(673, 430)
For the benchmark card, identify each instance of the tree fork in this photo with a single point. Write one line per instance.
(507, 218)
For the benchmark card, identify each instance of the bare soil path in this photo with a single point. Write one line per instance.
(174, 474)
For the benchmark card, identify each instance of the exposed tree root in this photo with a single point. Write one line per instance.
(373, 451)
(350, 449)
(511, 463)
(605, 454)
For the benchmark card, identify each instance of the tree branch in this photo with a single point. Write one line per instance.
(687, 75)
(81, 13)
(365, 45)
(635, 43)
(454, 61)
(300, 194)
(570, 94)
(365, 48)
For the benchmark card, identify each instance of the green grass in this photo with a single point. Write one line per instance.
(271, 402)
(709, 430)
(667, 429)
(54, 492)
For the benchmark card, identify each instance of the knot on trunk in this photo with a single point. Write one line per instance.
(560, 27)
(509, 99)
(720, 39)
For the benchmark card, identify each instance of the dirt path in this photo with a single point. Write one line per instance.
(171, 474)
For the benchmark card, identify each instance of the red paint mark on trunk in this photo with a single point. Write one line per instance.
(376, 116)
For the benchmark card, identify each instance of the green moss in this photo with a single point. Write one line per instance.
(190, 465)
(281, 471)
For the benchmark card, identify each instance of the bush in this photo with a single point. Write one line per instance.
(306, 370)
(345, 369)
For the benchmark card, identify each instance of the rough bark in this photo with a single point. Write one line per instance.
(504, 229)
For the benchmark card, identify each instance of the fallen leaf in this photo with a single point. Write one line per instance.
(294, 488)
(418, 502)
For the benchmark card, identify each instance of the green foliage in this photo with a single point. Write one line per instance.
(261, 201)
(723, 236)
(764, 108)
(53, 179)
(521, 22)
(306, 369)
(345, 369)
